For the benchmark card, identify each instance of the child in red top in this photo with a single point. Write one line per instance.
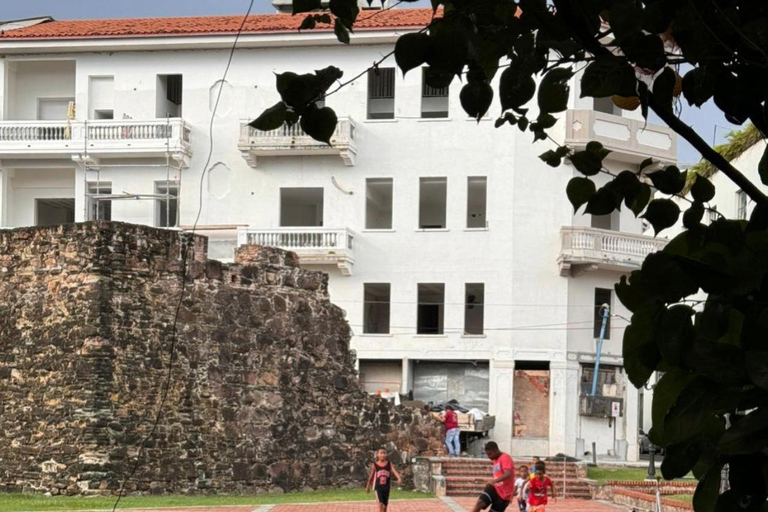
(539, 489)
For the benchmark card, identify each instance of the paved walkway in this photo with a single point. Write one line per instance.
(458, 504)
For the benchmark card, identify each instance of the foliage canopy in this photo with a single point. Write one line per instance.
(710, 408)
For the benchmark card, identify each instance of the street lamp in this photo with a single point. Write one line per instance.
(651, 463)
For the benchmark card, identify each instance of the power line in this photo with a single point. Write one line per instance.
(184, 251)
(485, 304)
(568, 326)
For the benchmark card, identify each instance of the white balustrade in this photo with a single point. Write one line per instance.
(592, 246)
(292, 140)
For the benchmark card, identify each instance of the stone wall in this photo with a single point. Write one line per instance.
(264, 395)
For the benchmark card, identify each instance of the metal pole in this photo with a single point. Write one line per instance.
(606, 309)
(594, 453)
(651, 462)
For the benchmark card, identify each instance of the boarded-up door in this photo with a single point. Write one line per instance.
(531, 400)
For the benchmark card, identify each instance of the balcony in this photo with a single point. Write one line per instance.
(292, 141)
(585, 249)
(630, 140)
(314, 246)
(95, 139)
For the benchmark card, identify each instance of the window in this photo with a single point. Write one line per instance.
(378, 203)
(477, 187)
(169, 95)
(166, 209)
(381, 93)
(434, 101)
(101, 97)
(301, 207)
(606, 106)
(609, 222)
(98, 208)
(606, 380)
(474, 306)
(741, 205)
(377, 308)
(602, 296)
(432, 202)
(430, 309)
(54, 211)
(712, 215)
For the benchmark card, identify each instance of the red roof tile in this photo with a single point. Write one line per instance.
(207, 25)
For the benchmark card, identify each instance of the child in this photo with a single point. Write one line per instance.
(381, 476)
(522, 479)
(539, 489)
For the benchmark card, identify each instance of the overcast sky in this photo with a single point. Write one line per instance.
(706, 121)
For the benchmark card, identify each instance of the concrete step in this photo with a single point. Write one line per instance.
(470, 486)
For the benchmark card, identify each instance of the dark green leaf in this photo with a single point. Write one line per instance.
(579, 191)
(308, 23)
(597, 149)
(641, 355)
(679, 460)
(438, 78)
(272, 118)
(515, 88)
(319, 124)
(702, 190)
(675, 333)
(665, 395)
(757, 367)
(411, 51)
(641, 199)
(546, 121)
(522, 123)
(628, 186)
(607, 76)
(341, 31)
(662, 214)
(586, 163)
(449, 46)
(745, 435)
(603, 202)
(762, 167)
(305, 6)
(645, 163)
(664, 87)
(345, 10)
(698, 86)
(644, 50)
(476, 98)
(551, 158)
(554, 90)
(705, 497)
(298, 91)
(693, 215)
(668, 181)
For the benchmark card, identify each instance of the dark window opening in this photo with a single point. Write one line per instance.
(474, 305)
(381, 93)
(377, 308)
(602, 296)
(431, 298)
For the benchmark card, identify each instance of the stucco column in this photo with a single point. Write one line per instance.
(81, 205)
(501, 401)
(563, 407)
(632, 422)
(5, 185)
(407, 376)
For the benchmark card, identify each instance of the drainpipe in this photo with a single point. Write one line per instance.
(606, 310)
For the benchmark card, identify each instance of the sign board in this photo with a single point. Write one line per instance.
(615, 409)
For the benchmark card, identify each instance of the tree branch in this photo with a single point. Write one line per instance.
(707, 152)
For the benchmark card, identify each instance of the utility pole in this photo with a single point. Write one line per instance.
(606, 311)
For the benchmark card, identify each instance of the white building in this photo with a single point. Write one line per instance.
(451, 246)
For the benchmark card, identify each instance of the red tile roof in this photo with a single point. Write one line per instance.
(208, 25)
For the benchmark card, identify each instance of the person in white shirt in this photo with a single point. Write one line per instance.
(523, 475)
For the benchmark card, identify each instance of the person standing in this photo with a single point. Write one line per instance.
(381, 479)
(522, 479)
(539, 489)
(499, 491)
(452, 431)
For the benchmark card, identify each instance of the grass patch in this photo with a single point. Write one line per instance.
(34, 502)
(605, 473)
(686, 498)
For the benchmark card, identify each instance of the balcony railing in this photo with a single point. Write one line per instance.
(95, 138)
(630, 140)
(314, 246)
(292, 141)
(586, 248)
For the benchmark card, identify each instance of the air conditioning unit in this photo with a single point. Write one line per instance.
(601, 406)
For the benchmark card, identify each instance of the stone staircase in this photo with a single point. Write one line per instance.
(466, 477)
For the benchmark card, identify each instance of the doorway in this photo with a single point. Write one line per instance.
(54, 211)
(531, 399)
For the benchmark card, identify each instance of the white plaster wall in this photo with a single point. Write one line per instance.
(26, 185)
(32, 80)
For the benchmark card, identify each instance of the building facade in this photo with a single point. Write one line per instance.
(464, 272)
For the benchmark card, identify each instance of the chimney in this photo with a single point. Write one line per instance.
(286, 6)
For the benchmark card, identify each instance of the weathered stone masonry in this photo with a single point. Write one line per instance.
(264, 395)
